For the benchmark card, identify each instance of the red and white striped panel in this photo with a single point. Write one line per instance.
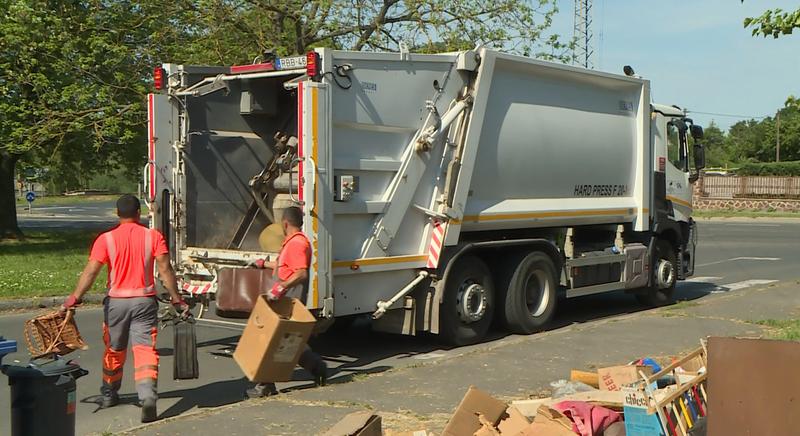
(196, 289)
(437, 240)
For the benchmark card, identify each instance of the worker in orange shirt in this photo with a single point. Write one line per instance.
(290, 272)
(131, 307)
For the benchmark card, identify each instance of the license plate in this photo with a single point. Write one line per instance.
(292, 63)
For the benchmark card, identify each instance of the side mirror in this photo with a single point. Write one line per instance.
(699, 155)
(697, 132)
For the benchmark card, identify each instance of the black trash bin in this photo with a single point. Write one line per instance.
(43, 398)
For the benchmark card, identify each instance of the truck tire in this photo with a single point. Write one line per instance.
(665, 272)
(468, 302)
(530, 300)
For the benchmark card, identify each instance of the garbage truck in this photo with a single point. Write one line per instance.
(441, 193)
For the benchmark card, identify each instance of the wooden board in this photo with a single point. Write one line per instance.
(590, 378)
(753, 386)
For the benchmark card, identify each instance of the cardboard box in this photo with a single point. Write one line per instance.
(513, 422)
(613, 378)
(357, 424)
(638, 422)
(465, 419)
(549, 422)
(275, 336)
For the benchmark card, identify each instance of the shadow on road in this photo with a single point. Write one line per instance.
(353, 350)
(211, 395)
(600, 306)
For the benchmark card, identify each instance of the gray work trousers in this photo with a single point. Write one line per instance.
(134, 320)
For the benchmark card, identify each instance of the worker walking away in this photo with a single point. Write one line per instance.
(290, 272)
(131, 307)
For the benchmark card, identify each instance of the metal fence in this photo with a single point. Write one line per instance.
(750, 187)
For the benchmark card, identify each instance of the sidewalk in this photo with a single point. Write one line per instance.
(424, 395)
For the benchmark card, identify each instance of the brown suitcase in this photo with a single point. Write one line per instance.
(239, 288)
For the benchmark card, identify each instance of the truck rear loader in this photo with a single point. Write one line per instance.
(441, 192)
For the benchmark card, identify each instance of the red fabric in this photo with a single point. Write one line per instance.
(295, 255)
(587, 419)
(129, 246)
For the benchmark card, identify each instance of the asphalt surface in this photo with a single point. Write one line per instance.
(419, 376)
(95, 215)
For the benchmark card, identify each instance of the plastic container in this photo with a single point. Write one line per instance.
(6, 347)
(43, 397)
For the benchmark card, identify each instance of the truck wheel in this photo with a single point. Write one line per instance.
(530, 301)
(468, 302)
(665, 273)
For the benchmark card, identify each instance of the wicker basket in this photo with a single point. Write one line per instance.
(53, 333)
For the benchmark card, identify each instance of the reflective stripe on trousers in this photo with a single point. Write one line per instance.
(133, 319)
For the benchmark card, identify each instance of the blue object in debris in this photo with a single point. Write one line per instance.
(651, 363)
(7, 347)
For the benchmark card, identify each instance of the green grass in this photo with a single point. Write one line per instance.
(745, 213)
(46, 263)
(685, 304)
(788, 330)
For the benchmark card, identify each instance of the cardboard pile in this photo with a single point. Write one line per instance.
(750, 380)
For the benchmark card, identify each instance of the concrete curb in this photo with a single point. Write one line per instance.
(44, 302)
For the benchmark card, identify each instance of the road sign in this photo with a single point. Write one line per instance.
(30, 196)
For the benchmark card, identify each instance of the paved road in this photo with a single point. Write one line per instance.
(93, 215)
(734, 258)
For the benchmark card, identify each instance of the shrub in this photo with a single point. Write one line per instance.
(770, 169)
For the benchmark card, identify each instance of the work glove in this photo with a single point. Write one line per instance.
(276, 292)
(258, 263)
(70, 303)
(181, 307)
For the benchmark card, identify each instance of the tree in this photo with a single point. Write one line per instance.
(234, 31)
(717, 154)
(72, 87)
(75, 72)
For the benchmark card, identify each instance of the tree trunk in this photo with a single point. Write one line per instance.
(8, 204)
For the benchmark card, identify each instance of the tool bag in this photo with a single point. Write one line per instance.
(53, 333)
(185, 350)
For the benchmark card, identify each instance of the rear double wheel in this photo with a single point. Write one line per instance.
(468, 303)
(529, 300)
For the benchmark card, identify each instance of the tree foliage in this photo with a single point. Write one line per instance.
(774, 22)
(226, 31)
(754, 140)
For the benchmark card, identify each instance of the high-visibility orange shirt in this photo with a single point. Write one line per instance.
(129, 251)
(295, 255)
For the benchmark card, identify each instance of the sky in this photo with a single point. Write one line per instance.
(696, 54)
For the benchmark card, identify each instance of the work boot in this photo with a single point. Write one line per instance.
(320, 373)
(110, 398)
(261, 390)
(149, 412)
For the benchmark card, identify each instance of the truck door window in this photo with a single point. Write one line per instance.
(677, 151)
(673, 145)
